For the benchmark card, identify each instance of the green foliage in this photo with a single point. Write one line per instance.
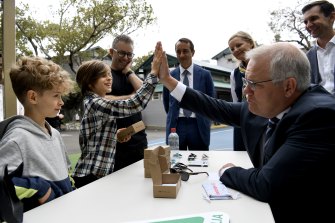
(72, 104)
(74, 159)
(79, 25)
(29, 33)
(138, 61)
(288, 22)
(73, 28)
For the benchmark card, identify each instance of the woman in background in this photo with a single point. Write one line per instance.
(239, 44)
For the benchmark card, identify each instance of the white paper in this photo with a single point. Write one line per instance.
(216, 190)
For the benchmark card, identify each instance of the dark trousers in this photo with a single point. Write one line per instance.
(127, 156)
(189, 135)
(82, 181)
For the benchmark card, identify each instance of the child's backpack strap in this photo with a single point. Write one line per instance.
(4, 124)
(11, 207)
(11, 210)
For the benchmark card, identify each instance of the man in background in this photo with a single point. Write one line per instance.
(193, 129)
(319, 19)
(125, 83)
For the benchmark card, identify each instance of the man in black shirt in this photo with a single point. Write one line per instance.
(125, 83)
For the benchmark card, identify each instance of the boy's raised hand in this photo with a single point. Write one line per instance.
(160, 67)
(164, 71)
(156, 62)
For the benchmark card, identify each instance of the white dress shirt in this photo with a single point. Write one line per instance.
(190, 80)
(326, 63)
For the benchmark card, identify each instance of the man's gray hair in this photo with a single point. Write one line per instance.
(284, 60)
(122, 38)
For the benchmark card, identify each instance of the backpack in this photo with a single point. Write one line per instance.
(11, 208)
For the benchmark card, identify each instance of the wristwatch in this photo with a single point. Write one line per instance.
(129, 73)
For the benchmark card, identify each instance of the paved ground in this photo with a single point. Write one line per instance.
(155, 136)
(71, 138)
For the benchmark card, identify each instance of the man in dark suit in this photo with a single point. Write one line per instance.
(294, 171)
(193, 129)
(319, 19)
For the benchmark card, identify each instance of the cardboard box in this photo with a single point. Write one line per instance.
(134, 128)
(164, 156)
(165, 185)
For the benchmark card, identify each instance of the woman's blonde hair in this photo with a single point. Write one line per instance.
(245, 36)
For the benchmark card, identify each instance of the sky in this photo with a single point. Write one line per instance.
(209, 24)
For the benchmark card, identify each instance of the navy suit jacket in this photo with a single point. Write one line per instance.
(313, 60)
(296, 176)
(202, 81)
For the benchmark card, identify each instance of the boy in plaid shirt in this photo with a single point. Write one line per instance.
(98, 128)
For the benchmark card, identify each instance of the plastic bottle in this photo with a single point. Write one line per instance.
(173, 140)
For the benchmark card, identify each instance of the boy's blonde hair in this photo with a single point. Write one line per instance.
(38, 74)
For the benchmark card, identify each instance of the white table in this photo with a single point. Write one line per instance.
(127, 196)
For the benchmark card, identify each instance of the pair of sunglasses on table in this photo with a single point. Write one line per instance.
(193, 156)
(182, 170)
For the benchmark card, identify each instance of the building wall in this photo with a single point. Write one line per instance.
(227, 61)
(154, 116)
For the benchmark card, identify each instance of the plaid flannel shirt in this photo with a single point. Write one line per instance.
(97, 137)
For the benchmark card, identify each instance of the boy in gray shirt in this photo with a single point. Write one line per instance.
(29, 139)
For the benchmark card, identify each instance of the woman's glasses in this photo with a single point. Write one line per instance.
(184, 175)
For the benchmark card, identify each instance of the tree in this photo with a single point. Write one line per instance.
(71, 31)
(137, 62)
(80, 25)
(29, 33)
(288, 23)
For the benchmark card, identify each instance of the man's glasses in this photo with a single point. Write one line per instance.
(184, 175)
(123, 54)
(252, 84)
